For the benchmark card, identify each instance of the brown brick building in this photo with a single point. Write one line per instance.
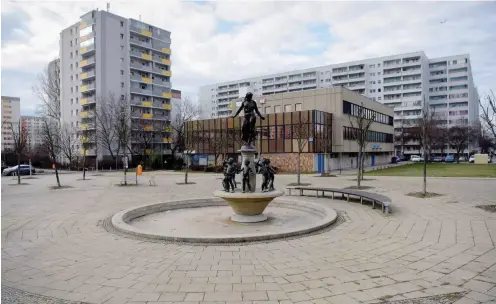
(318, 121)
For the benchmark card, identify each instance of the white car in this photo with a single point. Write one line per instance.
(472, 159)
(416, 159)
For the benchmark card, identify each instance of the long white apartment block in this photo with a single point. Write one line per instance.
(401, 81)
(102, 54)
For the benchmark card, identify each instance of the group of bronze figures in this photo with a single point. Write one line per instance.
(262, 166)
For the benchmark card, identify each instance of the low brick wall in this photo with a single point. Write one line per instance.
(288, 162)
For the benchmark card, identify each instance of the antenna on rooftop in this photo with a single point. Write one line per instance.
(108, 6)
(140, 17)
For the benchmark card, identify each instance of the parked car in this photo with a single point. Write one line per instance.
(416, 159)
(23, 170)
(438, 159)
(462, 158)
(449, 159)
(471, 159)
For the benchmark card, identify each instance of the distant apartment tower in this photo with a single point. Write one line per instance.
(33, 126)
(106, 55)
(400, 81)
(11, 110)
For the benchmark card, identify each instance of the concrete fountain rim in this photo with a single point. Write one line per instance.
(239, 194)
(120, 221)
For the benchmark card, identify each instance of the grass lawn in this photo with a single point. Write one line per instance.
(439, 170)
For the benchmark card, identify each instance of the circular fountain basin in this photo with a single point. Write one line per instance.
(208, 221)
(248, 207)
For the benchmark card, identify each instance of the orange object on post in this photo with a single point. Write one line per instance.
(53, 166)
(139, 170)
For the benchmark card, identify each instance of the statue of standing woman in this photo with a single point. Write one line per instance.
(248, 129)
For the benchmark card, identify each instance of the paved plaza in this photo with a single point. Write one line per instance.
(54, 244)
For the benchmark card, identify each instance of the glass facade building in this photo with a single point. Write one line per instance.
(278, 133)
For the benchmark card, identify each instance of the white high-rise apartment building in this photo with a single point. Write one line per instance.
(11, 111)
(400, 81)
(105, 54)
(33, 126)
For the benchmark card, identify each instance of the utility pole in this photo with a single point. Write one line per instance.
(108, 6)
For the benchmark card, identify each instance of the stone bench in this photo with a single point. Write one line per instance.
(374, 198)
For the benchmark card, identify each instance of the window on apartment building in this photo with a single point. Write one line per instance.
(378, 65)
(298, 106)
(378, 73)
(288, 108)
(71, 78)
(379, 98)
(122, 97)
(72, 124)
(122, 72)
(122, 48)
(71, 55)
(77, 112)
(122, 84)
(122, 36)
(372, 82)
(372, 91)
(122, 23)
(77, 40)
(372, 66)
(71, 31)
(455, 61)
(77, 123)
(77, 64)
(77, 52)
(268, 110)
(77, 76)
(72, 90)
(77, 88)
(379, 81)
(72, 101)
(77, 100)
(378, 90)
(277, 109)
(372, 74)
(70, 43)
(70, 66)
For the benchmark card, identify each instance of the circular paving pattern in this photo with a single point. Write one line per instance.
(208, 221)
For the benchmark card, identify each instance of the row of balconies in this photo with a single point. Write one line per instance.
(153, 80)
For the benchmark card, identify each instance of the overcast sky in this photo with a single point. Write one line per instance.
(220, 41)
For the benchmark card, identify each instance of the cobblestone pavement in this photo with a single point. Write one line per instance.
(53, 245)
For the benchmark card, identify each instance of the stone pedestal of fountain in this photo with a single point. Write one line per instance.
(248, 207)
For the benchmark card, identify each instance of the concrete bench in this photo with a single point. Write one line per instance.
(374, 198)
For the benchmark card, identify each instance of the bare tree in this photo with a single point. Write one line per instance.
(361, 121)
(301, 133)
(105, 126)
(68, 142)
(48, 91)
(20, 137)
(143, 135)
(459, 138)
(86, 138)
(488, 115)
(122, 125)
(186, 111)
(426, 126)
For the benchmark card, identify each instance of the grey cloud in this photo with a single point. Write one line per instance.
(13, 24)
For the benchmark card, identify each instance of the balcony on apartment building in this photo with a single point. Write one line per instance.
(161, 46)
(161, 92)
(141, 65)
(411, 78)
(87, 88)
(161, 59)
(142, 54)
(161, 81)
(268, 87)
(145, 42)
(87, 126)
(356, 68)
(411, 70)
(394, 71)
(280, 80)
(392, 96)
(458, 79)
(141, 89)
(339, 71)
(294, 77)
(440, 64)
(222, 88)
(87, 62)
(411, 61)
(392, 88)
(280, 88)
(356, 85)
(392, 79)
(392, 63)
(87, 100)
(89, 74)
(309, 75)
(87, 50)
(458, 72)
(356, 75)
(162, 71)
(409, 88)
(458, 97)
(141, 77)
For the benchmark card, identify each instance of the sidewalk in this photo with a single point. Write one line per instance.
(350, 171)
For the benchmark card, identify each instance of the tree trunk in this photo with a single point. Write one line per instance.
(359, 163)
(125, 168)
(425, 176)
(84, 165)
(362, 165)
(186, 171)
(56, 170)
(298, 169)
(19, 168)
